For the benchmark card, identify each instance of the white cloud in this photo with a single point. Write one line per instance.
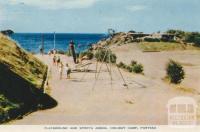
(134, 8)
(55, 4)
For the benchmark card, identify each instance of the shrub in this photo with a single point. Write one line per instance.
(61, 52)
(82, 54)
(129, 68)
(105, 56)
(100, 55)
(133, 67)
(68, 53)
(188, 37)
(175, 72)
(137, 68)
(120, 65)
(177, 33)
(113, 58)
(193, 37)
(151, 39)
(133, 63)
(89, 54)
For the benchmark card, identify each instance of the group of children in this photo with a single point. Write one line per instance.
(57, 62)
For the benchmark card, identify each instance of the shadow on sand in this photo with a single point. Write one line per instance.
(22, 92)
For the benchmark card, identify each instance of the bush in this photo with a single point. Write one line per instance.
(100, 55)
(193, 37)
(151, 39)
(177, 33)
(68, 53)
(61, 52)
(89, 54)
(175, 72)
(133, 63)
(137, 68)
(129, 68)
(133, 67)
(113, 58)
(82, 54)
(105, 56)
(121, 65)
(188, 37)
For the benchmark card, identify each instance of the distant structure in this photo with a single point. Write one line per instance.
(140, 36)
(137, 34)
(163, 36)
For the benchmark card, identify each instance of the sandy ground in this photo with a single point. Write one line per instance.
(155, 62)
(144, 102)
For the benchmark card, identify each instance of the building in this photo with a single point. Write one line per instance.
(164, 36)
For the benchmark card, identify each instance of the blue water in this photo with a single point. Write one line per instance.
(33, 41)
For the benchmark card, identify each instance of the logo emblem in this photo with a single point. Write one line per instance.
(182, 111)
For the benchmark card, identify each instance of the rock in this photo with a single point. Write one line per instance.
(7, 32)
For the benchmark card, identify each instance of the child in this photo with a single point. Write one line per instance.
(54, 60)
(61, 70)
(58, 60)
(68, 71)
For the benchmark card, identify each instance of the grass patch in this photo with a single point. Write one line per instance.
(185, 89)
(21, 62)
(160, 46)
(180, 88)
(186, 64)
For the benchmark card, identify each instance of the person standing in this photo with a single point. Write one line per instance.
(42, 46)
(41, 49)
(68, 71)
(58, 61)
(61, 70)
(72, 50)
(54, 60)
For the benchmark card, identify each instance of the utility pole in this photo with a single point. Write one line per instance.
(54, 47)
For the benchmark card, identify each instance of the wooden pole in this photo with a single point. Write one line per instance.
(42, 44)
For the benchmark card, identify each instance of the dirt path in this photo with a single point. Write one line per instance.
(143, 103)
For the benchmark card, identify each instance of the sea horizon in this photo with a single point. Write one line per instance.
(32, 41)
(60, 33)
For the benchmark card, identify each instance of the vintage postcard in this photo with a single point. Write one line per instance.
(89, 64)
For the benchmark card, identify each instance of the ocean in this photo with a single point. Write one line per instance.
(33, 41)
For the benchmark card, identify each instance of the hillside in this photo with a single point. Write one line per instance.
(22, 79)
(146, 42)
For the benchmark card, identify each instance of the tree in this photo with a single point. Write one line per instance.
(193, 37)
(177, 33)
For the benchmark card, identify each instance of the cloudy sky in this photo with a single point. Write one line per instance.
(99, 15)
